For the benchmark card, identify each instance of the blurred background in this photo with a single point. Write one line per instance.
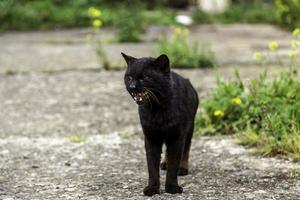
(145, 25)
(49, 14)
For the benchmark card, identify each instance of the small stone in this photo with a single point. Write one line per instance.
(260, 192)
(70, 189)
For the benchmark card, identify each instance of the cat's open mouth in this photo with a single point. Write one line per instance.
(139, 97)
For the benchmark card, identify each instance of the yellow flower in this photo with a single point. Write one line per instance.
(295, 44)
(218, 113)
(293, 54)
(181, 31)
(94, 12)
(177, 30)
(236, 101)
(273, 45)
(257, 56)
(296, 32)
(97, 23)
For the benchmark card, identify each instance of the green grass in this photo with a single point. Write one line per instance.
(286, 144)
(49, 14)
(77, 138)
(130, 25)
(184, 55)
(263, 113)
(160, 16)
(268, 116)
(288, 13)
(25, 15)
(258, 12)
(10, 72)
(285, 13)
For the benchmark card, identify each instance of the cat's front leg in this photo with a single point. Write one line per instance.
(153, 154)
(174, 153)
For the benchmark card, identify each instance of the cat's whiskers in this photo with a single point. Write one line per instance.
(155, 90)
(148, 99)
(152, 95)
(121, 93)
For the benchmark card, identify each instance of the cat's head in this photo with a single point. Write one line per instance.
(147, 79)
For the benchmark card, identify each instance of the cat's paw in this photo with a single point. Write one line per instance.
(173, 189)
(151, 190)
(163, 166)
(182, 171)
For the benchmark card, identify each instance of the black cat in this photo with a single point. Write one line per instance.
(167, 107)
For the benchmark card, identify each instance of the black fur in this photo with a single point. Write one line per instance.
(167, 107)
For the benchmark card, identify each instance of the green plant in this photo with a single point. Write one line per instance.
(129, 25)
(265, 114)
(182, 54)
(158, 17)
(10, 72)
(26, 15)
(246, 12)
(202, 17)
(23, 15)
(96, 21)
(225, 104)
(288, 13)
(77, 138)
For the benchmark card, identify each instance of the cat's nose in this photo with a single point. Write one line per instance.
(132, 85)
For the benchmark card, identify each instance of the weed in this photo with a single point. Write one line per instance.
(130, 25)
(125, 135)
(26, 15)
(257, 12)
(288, 13)
(184, 55)
(77, 138)
(10, 72)
(264, 114)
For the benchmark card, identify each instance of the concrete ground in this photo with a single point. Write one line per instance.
(53, 89)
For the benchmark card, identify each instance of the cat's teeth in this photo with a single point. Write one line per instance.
(138, 97)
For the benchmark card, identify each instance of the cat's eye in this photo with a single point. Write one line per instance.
(129, 78)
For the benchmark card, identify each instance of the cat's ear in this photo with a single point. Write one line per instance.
(163, 63)
(129, 59)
